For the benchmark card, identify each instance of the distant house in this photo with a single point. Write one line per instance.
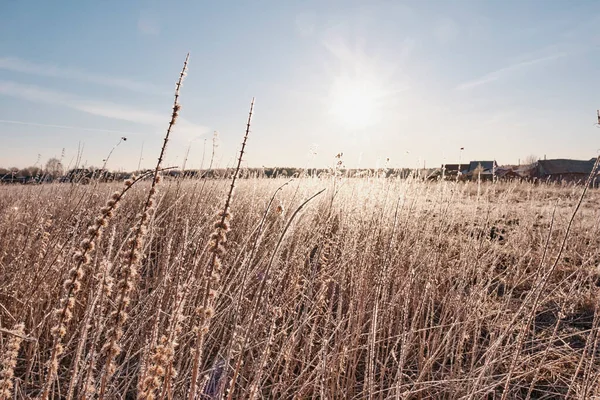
(453, 169)
(488, 166)
(526, 171)
(483, 169)
(563, 169)
(507, 173)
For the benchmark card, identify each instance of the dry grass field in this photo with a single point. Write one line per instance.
(375, 288)
(320, 288)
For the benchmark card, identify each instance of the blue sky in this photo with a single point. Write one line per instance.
(412, 81)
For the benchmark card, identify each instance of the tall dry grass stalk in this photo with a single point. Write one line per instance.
(213, 270)
(72, 284)
(161, 370)
(130, 255)
(8, 362)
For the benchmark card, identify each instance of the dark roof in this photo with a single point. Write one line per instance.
(486, 165)
(506, 173)
(563, 166)
(452, 167)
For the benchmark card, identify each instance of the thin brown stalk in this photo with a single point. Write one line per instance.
(213, 269)
(130, 256)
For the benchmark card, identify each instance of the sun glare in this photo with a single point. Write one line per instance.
(355, 103)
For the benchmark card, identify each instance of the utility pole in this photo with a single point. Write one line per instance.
(459, 162)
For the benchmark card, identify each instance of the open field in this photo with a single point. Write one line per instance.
(415, 215)
(376, 288)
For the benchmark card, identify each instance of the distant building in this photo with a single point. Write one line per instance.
(488, 166)
(563, 169)
(452, 169)
(507, 173)
(481, 169)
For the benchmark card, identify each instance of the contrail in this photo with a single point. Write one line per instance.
(8, 121)
(26, 67)
(495, 75)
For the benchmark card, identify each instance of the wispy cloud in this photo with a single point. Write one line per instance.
(446, 30)
(19, 65)
(305, 24)
(97, 107)
(494, 76)
(148, 24)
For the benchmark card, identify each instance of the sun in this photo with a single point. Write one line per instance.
(355, 103)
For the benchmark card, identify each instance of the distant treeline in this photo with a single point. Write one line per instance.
(289, 172)
(84, 175)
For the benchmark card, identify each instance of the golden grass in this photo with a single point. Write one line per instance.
(396, 288)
